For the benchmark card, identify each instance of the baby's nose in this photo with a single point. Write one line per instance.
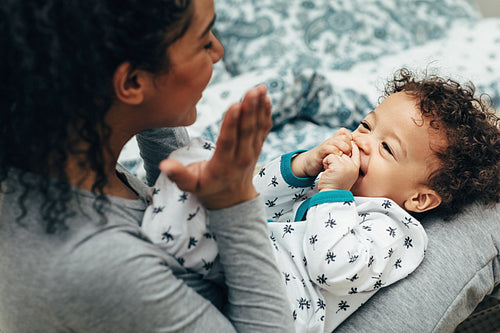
(362, 142)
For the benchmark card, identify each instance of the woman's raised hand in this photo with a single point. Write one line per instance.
(226, 179)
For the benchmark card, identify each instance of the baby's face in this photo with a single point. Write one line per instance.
(395, 150)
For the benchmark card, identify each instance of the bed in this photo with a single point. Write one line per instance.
(325, 63)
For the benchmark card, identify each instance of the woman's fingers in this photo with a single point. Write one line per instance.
(264, 120)
(226, 147)
(254, 124)
(226, 179)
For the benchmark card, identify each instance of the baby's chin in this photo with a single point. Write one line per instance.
(356, 189)
(361, 190)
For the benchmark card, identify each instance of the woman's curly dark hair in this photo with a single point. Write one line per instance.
(470, 161)
(58, 59)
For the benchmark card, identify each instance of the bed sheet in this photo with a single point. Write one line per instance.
(313, 98)
(311, 105)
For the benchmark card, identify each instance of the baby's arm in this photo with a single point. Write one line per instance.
(280, 188)
(360, 245)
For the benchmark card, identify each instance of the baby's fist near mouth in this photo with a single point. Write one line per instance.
(341, 171)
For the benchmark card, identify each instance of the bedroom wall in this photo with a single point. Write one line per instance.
(489, 8)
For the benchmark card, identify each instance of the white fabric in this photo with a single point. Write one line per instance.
(335, 260)
(182, 228)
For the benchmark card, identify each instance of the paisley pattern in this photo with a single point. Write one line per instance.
(282, 33)
(325, 62)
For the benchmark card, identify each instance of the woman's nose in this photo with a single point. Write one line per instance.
(217, 50)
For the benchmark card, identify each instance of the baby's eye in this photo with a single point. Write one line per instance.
(365, 125)
(387, 148)
(208, 46)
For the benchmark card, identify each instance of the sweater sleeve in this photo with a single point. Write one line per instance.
(156, 144)
(363, 245)
(124, 283)
(256, 293)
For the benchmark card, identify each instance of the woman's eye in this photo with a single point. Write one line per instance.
(209, 45)
(387, 148)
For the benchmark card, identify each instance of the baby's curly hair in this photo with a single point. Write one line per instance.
(470, 161)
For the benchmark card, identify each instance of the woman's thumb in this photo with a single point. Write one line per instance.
(178, 173)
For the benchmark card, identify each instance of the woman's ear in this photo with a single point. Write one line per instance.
(423, 200)
(129, 85)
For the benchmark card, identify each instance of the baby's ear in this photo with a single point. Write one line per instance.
(423, 200)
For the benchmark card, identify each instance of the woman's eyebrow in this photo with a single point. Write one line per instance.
(208, 28)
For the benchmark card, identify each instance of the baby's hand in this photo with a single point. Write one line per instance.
(310, 163)
(341, 171)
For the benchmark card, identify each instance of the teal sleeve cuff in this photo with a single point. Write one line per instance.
(331, 196)
(288, 176)
(321, 198)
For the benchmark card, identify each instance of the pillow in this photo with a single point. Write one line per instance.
(298, 34)
(461, 266)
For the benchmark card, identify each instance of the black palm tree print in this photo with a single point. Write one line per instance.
(304, 304)
(192, 242)
(192, 215)
(353, 291)
(262, 172)
(397, 264)
(277, 215)
(352, 257)
(409, 221)
(167, 236)
(287, 229)
(207, 265)
(157, 210)
(299, 196)
(387, 204)
(313, 240)
(208, 146)
(286, 276)
(271, 203)
(322, 279)
(330, 223)
(343, 306)
(320, 304)
(330, 257)
(274, 182)
(389, 253)
(183, 197)
(391, 231)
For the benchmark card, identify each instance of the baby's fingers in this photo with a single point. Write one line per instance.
(355, 154)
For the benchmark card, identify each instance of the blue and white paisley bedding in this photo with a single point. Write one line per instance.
(325, 63)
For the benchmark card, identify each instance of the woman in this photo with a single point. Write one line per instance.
(81, 78)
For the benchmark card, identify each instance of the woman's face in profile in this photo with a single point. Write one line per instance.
(191, 63)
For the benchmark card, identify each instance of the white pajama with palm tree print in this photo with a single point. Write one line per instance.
(334, 250)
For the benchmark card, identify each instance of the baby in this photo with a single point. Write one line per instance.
(343, 215)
